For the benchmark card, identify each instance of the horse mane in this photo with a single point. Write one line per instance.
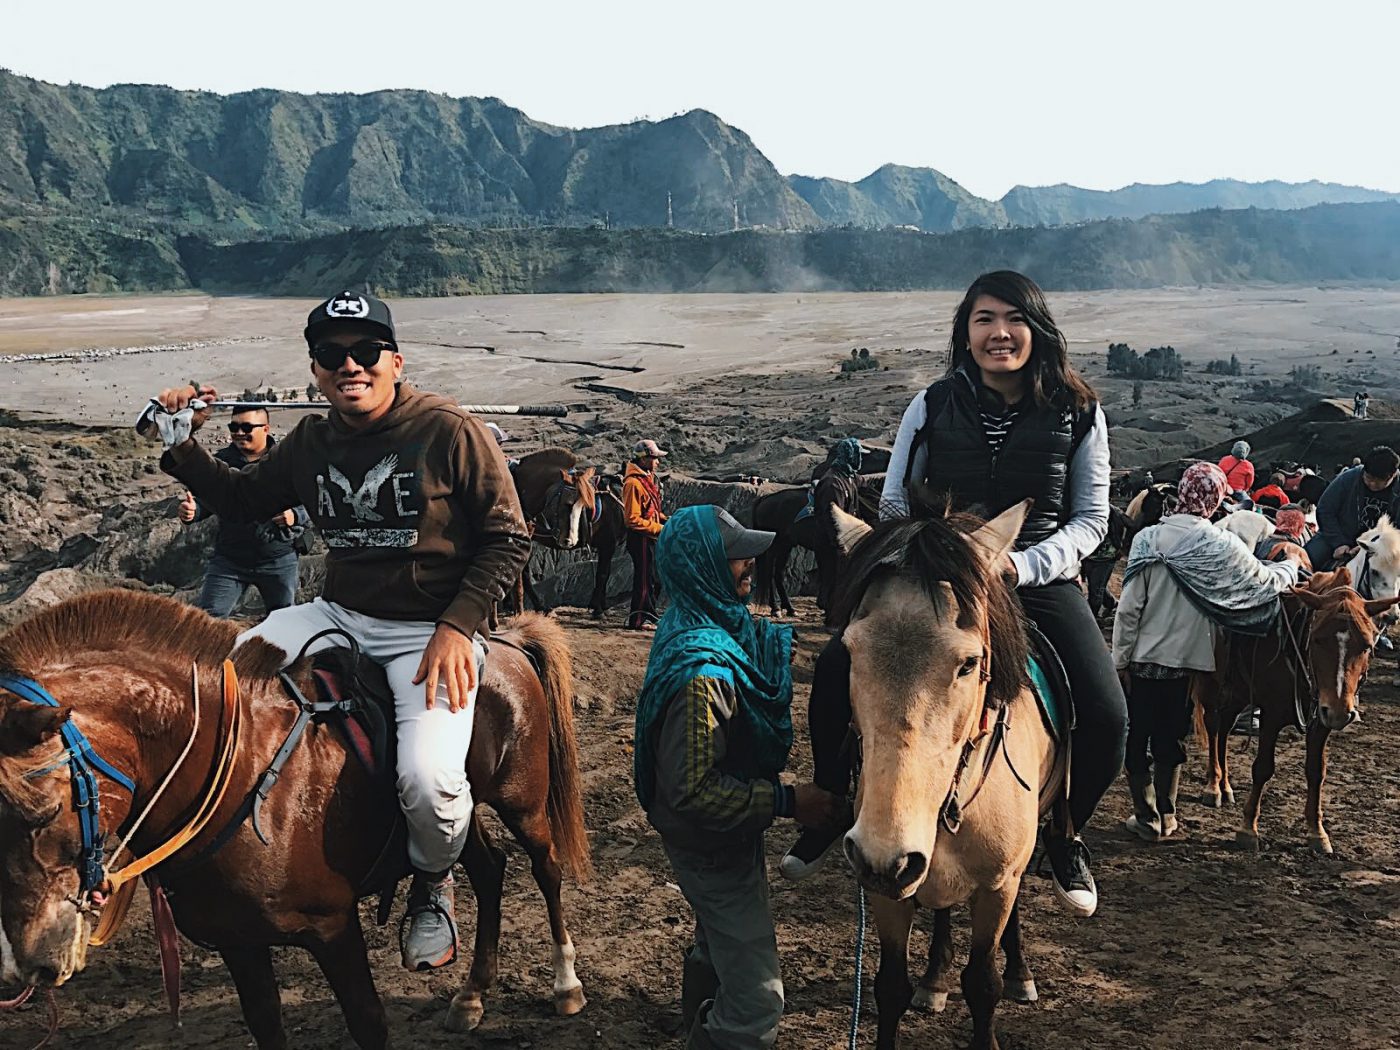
(129, 621)
(939, 550)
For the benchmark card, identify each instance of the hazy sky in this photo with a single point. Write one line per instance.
(1099, 94)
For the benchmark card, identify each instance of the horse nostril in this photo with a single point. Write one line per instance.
(911, 869)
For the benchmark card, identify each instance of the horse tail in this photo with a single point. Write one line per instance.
(548, 647)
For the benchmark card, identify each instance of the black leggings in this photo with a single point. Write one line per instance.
(1061, 612)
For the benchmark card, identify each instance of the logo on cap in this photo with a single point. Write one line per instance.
(347, 306)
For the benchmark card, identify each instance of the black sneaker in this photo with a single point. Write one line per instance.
(1073, 882)
(805, 857)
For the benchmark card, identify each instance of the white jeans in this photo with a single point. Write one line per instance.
(432, 773)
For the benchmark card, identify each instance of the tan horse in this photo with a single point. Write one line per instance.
(1309, 666)
(951, 742)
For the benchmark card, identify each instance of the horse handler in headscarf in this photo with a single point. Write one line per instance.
(714, 727)
(1185, 578)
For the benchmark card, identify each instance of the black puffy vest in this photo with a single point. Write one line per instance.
(1033, 461)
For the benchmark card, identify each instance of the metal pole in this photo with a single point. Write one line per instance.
(480, 410)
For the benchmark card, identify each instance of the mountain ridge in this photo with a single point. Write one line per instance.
(268, 161)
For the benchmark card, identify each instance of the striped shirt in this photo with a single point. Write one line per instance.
(996, 425)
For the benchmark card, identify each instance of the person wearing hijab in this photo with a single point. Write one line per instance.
(1185, 578)
(713, 732)
(837, 487)
(1238, 470)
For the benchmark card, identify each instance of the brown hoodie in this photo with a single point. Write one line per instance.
(419, 511)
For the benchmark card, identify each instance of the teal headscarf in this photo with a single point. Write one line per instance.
(845, 457)
(707, 629)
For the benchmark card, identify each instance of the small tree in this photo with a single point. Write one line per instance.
(1137, 393)
(1121, 358)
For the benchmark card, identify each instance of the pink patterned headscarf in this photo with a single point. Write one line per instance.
(1200, 490)
(1290, 522)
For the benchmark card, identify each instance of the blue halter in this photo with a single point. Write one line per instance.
(83, 763)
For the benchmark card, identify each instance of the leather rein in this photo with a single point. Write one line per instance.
(105, 887)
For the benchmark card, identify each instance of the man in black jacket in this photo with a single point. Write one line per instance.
(261, 554)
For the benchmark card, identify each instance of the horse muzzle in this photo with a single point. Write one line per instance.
(1336, 721)
(896, 877)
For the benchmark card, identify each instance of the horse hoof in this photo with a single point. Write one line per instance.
(1021, 991)
(464, 1013)
(1247, 840)
(1320, 843)
(1229, 797)
(929, 1001)
(1213, 800)
(569, 1002)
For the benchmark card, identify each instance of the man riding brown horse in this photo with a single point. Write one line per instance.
(425, 533)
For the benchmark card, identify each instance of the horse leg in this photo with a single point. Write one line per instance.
(1208, 715)
(936, 983)
(981, 984)
(1270, 725)
(527, 588)
(532, 832)
(486, 870)
(1317, 773)
(1019, 982)
(892, 989)
(251, 969)
(599, 602)
(1220, 753)
(780, 564)
(344, 962)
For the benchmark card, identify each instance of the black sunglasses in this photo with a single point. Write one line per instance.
(244, 428)
(366, 354)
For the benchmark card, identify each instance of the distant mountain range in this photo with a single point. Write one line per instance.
(276, 162)
(1326, 243)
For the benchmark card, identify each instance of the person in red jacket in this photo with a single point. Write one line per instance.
(1238, 470)
(641, 512)
(1272, 494)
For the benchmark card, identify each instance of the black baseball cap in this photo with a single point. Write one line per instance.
(360, 307)
(740, 542)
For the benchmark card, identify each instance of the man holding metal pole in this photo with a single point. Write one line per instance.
(425, 533)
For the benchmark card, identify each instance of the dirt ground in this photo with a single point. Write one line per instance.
(1196, 944)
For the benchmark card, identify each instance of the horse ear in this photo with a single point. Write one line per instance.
(850, 530)
(24, 726)
(565, 475)
(1342, 577)
(1376, 606)
(998, 536)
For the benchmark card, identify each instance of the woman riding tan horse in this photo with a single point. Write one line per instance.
(1305, 672)
(957, 763)
(120, 665)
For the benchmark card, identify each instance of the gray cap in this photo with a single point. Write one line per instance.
(740, 542)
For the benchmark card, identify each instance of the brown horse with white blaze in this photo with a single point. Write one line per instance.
(120, 664)
(1309, 667)
(957, 765)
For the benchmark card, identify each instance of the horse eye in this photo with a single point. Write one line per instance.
(968, 666)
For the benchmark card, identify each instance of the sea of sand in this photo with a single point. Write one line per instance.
(541, 348)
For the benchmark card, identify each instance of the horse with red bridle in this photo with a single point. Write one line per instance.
(140, 700)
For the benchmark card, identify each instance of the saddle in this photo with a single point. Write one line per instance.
(1050, 685)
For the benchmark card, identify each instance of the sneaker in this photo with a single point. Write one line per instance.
(1073, 882)
(1143, 829)
(805, 857)
(428, 936)
(1247, 724)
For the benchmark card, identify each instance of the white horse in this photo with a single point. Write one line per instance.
(1251, 527)
(1375, 567)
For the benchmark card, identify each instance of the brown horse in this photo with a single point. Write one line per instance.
(1305, 672)
(958, 766)
(120, 665)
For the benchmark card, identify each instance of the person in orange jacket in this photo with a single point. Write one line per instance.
(641, 511)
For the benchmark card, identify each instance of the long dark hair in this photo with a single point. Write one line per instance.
(1051, 374)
